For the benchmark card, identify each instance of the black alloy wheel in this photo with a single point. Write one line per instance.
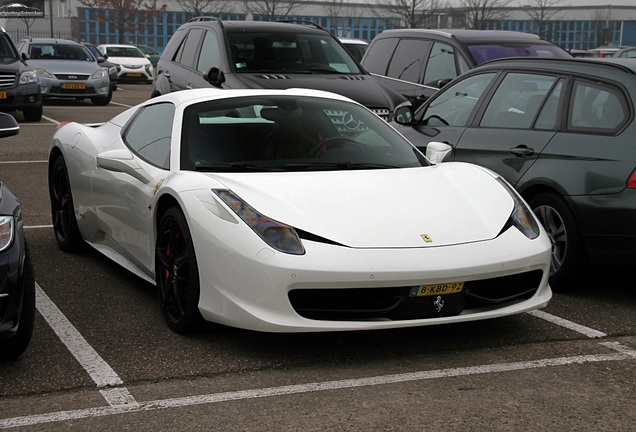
(177, 273)
(568, 255)
(65, 227)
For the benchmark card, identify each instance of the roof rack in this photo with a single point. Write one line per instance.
(304, 22)
(204, 18)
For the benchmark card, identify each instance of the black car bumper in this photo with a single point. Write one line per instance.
(21, 97)
(11, 294)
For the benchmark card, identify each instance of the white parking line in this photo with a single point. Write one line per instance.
(589, 332)
(100, 372)
(624, 353)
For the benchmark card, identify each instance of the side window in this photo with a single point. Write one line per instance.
(210, 56)
(517, 101)
(440, 64)
(597, 107)
(186, 54)
(407, 62)
(549, 115)
(454, 106)
(379, 54)
(150, 134)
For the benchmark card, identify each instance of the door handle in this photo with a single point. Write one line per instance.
(522, 151)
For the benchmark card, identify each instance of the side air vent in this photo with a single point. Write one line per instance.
(353, 78)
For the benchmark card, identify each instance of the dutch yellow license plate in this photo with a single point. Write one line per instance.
(437, 289)
(134, 74)
(3, 95)
(73, 86)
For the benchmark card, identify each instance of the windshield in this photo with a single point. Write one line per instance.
(124, 52)
(289, 52)
(485, 52)
(53, 51)
(285, 133)
(8, 53)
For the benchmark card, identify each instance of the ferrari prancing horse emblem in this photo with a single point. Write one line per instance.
(438, 303)
(426, 238)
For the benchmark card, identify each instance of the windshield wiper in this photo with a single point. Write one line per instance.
(340, 165)
(234, 167)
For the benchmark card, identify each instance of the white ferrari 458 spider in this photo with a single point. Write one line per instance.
(294, 211)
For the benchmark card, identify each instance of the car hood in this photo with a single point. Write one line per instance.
(361, 88)
(65, 66)
(451, 203)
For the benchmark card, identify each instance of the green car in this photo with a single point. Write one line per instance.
(561, 131)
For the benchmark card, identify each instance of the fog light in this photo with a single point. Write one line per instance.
(31, 98)
(104, 90)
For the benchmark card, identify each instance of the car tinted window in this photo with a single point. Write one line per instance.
(150, 134)
(376, 60)
(598, 107)
(53, 51)
(7, 52)
(549, 115)
(440, 64)
(407, 62)
(455, 103)
(187, 52)
(209, 56)
(289, 52)
(130, 52)
(485, 52)
(290, 133)
(517, 101)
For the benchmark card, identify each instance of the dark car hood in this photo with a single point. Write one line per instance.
(363, 89)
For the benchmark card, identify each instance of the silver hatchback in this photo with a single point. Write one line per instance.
(66, 69)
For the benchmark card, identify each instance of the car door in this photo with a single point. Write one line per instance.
(123, 201)
(208, 56)
(515, 124)
(445, 117)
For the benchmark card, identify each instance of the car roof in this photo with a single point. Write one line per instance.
(353, 41)
(117, 46)
(265, 25)
(54, 41)
(468, 35)
(595, 65)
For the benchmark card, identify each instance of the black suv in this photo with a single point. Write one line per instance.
(207, 52)
(417, 62)
(19, 84)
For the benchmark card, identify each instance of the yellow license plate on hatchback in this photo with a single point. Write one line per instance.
(3, 95)
(437, 289)
(73, 86)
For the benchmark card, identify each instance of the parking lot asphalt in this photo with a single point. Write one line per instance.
(102, 358)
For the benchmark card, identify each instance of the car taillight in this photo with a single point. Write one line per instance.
(631, 180)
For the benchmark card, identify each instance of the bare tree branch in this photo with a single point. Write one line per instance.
(272, 9)
(479, 12)
(541, 11)
(412, 13)
(128, 16)
(202, 7)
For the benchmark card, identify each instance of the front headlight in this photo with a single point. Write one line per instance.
(112, 70)
(100, 74)
(279, 236)
(43, 73)
(521, 216)
(148, 68)
(28, 77)
(6, 231)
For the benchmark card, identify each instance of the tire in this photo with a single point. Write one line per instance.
(65, 226)
(33, 114)
(101, 101)
(177, 273)
(18, 343)
(568, 254)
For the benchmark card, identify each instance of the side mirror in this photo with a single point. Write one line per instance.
(101, 60)
(8, 126)
(437, 151)
(24, 56)
(403, 115)
(215, 76)
(441, 83)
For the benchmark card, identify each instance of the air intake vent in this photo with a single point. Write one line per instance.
(275, 77)
(353, 78)
(7, 80)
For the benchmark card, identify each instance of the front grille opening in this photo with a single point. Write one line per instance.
(395, 303)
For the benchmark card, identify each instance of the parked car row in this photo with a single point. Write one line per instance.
(606, 51)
